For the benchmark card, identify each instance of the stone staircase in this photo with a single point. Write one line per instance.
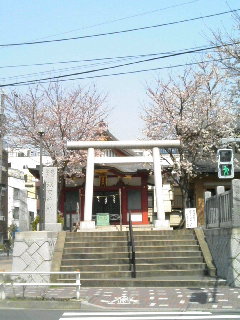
(163, 259)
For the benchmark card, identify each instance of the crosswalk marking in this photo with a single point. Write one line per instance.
(192, 315)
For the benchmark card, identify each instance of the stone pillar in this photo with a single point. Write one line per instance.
(88, 223)
(220, 189)
(160, 223)
(235, 203)
(24, 219)
(50, 181)
(207, 194)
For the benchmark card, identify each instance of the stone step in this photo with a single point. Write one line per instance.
(94, 255)
(128, 274)
(96, 233)
(73, 244)
(163, 237)
(125, 249)
(160, 248)
(97, 268)
(96, 238)
(165, 243)
(83, 262)
(163, 258)
(122, 249)
(139, 267)
(103, 244)
(105, 238)
(149, 260)
(176, 282)
(113, 255)
(165, 232)
(137, 232)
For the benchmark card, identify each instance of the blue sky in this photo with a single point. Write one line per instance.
(26, 20)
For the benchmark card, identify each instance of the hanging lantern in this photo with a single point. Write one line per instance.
(103, 180)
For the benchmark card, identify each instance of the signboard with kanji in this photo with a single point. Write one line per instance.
(191, 218)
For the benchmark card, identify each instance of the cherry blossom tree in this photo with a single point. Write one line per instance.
(76, 114)
(194, 108)
(228, 54)
(228, 48)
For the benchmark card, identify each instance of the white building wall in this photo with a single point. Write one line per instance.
(15, 182)
(22, 159)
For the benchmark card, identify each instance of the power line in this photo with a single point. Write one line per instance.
(117, 32)
(114, 60)
(132, 72)
(117, 66)
(121, 19)
(54, 71)
(97, 59)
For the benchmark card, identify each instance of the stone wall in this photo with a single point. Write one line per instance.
(225, 249)
(33, 251)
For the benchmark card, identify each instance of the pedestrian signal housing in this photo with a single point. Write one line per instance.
(225, 164)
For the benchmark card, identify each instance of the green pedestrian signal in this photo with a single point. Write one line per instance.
(225, 164)
(226, 169)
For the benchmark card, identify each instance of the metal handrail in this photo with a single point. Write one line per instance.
(77, 283)
(132, 247)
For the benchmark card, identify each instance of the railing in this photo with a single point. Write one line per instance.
(218, 210)
(77, 283)
(132, 248)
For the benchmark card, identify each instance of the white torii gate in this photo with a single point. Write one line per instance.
(155, 158)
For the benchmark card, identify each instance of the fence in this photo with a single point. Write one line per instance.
(77, 283)
(223, 210)
(218, 210)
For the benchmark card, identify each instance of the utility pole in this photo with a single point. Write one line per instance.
(1, 138)
(3, 177)
(41, 190)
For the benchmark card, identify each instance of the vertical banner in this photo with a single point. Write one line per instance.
(51, 185)
(191, 218)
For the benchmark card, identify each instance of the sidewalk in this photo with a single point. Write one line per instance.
(5, 263)
(215, 298)
(221, 298)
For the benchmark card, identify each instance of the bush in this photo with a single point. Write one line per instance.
(35, 223)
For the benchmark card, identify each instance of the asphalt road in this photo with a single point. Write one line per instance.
(16, 314)
(26, 314)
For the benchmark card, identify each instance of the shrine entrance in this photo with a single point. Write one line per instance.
(107, 202)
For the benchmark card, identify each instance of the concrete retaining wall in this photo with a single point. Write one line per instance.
(33, 251)
(224, 245)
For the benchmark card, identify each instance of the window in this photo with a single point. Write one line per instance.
(150, 200)
(21, 154)
(16, 194)
(72, 198)
(31, 215)
(134, 200)
(16, 213)
(32, 195)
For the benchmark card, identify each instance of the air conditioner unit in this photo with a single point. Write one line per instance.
(2, 218)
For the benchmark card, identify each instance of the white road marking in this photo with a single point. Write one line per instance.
(161, 316)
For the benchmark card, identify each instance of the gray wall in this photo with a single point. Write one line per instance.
(224, 245)
(33, 251)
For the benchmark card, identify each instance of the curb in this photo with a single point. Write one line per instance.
(40, 304)
(85, 306)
